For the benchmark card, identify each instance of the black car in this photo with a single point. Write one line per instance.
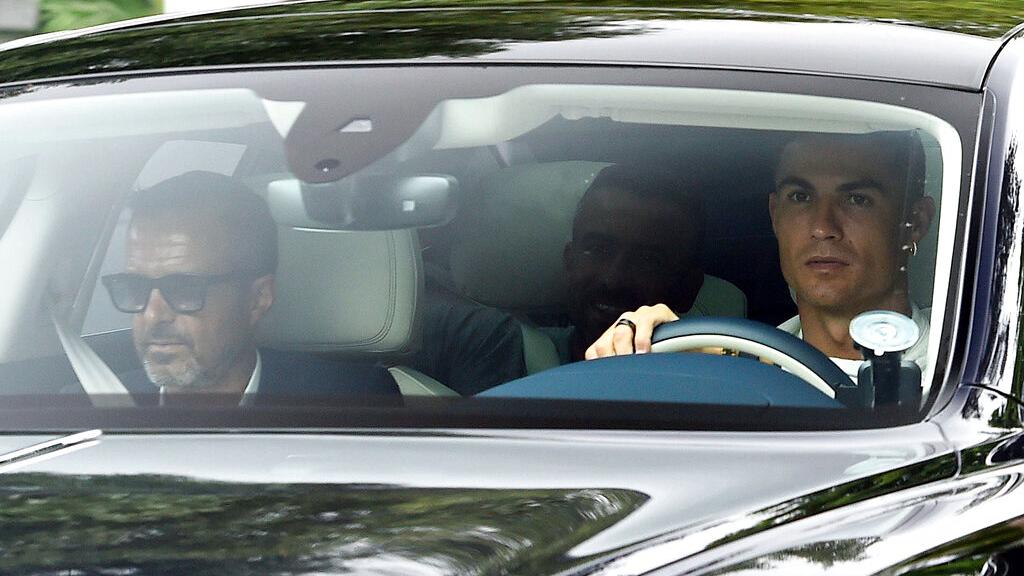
(309, 288)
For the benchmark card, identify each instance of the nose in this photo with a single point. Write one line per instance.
(826, 223)
(616, 269)
(157, 309)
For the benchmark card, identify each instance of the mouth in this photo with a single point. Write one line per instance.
(826, 263)
(163, 345)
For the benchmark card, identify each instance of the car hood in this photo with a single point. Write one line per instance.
(432, 502)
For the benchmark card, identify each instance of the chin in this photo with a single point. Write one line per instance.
(824, 298)
(177, 376)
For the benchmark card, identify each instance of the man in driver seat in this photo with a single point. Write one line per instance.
(202, 253)
(848, 212)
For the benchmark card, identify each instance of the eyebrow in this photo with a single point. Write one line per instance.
(862, 184)
(794, 181)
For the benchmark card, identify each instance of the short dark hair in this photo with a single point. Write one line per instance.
(907, 154)
(244, 215)
(655, 185)
(902, 149)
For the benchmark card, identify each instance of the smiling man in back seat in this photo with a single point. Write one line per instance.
(202, 253)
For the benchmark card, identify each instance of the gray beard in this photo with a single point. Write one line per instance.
(190, 376)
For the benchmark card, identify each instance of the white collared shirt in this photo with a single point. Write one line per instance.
(250, 390)
(918, 353)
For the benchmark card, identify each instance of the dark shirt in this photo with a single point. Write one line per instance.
(468, 347)
(289, 377)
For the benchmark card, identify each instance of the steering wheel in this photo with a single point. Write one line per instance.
(749, 337)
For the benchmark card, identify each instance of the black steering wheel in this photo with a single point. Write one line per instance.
(749, 337)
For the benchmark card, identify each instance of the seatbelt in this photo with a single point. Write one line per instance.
(103, 387)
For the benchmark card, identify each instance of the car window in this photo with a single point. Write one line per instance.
(249, 235)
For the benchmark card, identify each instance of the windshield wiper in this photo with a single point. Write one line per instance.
(50, 448)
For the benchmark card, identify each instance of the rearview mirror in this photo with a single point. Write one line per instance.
(377, 202)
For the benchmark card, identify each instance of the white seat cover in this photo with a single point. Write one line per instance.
(351, 292)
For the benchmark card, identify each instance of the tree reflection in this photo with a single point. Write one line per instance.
(824, 555)
(340, 31)
(154, 525)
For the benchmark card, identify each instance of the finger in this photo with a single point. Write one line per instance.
(644, 332)
(622, 340)
(602, 347)
(647, 318)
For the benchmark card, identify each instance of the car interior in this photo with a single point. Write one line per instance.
(514, 182)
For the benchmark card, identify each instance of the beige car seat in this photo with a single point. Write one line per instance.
(353, 293)
(510, 254)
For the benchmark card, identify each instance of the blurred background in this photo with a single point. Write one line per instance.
(25, 17)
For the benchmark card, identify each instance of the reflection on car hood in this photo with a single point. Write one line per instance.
(428, 503)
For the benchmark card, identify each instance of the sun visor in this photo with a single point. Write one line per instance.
(489, 121)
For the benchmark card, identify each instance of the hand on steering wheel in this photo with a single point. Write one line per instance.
(621, 339)
(658, 329)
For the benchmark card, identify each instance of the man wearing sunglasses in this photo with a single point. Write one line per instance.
(202, 252)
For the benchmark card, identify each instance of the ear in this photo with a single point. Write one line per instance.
(772, 200)
(922, 211)
(261, 298)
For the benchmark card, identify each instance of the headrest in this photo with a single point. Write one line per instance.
(352, 292)
(510, 254)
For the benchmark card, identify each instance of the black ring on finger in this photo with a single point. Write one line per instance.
(632, 327)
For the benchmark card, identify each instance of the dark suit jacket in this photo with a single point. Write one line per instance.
(468, 347)
(287, 377)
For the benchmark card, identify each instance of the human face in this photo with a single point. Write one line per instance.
(194, 350)
(626, 252)
(837, 212)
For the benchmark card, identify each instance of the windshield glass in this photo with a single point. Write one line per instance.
(337, 240)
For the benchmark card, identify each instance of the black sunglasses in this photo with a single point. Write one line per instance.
(184, 293)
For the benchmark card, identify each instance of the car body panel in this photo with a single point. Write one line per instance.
(995, 334)
(693, 486)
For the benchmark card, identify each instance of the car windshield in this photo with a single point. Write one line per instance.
(363, 244)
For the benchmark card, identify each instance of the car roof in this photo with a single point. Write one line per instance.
(954, 50)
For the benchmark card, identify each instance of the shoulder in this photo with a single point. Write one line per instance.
(456, 314)
(921, 317)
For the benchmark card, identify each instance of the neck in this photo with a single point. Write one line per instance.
(230, 385)
(828, 330)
